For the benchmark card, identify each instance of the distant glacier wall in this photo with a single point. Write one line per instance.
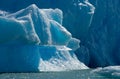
(104, 33)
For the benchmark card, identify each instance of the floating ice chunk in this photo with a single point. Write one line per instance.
(110, 70)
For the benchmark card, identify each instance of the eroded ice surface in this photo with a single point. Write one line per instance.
(58, 58)
(34, 39)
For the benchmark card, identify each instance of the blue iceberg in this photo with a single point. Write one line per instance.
(34, 39)
(94, 22)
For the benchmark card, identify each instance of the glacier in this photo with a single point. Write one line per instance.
(34, 39)
(104, 34)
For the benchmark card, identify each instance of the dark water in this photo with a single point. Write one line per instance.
(76, 74)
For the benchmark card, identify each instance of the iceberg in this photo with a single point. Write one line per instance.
(77, 19)
(34, 39)
(94, 22)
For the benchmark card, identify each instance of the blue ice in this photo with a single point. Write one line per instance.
(34, 39)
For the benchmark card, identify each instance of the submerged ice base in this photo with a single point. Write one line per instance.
(34, 39)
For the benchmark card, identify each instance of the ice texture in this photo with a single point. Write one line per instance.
(36, 26)
(59, 58)
(109, 71)
(94, 22)
(19, 58)
(104, 34)
(34, 39)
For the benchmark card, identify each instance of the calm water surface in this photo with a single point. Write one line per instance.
(76, 74)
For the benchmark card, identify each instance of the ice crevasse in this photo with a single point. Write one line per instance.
(34, 39)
